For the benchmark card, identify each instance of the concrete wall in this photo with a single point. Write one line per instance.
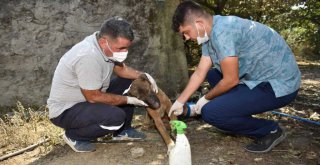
(34, 34)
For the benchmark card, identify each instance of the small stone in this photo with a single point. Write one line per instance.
(137, 152)
(214, 160)
(231, 153)
(311, 155)
(221, 159)
(257, 159)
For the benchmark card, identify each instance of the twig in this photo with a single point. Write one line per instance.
(24, 149)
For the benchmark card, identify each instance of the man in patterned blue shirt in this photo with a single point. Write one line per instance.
(254, 71)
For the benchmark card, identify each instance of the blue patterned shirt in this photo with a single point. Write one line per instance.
(263, 54)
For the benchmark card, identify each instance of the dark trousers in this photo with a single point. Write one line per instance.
(88, 121)
(233, 110)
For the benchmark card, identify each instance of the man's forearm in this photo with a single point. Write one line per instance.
(222, 87)
(194, 83)
(106, 98)
(127, 72)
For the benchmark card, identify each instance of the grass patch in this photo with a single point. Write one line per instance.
(24, 126)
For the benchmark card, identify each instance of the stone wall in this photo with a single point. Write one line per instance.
(34, 34)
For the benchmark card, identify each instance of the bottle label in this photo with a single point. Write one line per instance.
(191, 111)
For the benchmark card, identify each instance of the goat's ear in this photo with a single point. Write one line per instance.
(144, 77)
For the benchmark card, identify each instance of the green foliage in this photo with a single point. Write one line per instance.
(193, 53)
(297, 21)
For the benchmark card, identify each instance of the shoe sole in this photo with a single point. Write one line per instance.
(276, 142)
(72, 147)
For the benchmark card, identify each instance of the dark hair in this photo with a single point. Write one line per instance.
(116, 27)
(184, 12)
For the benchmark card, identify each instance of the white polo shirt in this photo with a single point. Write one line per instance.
(84, 66)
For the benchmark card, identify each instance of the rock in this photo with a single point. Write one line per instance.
(137, 152)
(311, 155)
(257, 159)
(221, 159)
(214, 160)
(231, 153)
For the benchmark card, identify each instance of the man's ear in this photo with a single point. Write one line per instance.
(144, 77)
(199, 21)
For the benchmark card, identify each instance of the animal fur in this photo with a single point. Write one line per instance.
(158, 106)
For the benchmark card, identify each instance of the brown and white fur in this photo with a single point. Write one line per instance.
(158, 106)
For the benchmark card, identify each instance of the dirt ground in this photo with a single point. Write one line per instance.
(208, 145)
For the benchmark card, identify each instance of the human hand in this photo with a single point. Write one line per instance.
(200, 103)
(135, 101)
(177, 108)
(153, 83)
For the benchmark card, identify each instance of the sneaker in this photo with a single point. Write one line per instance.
(266, 143)
(77, 145)
(129, 134)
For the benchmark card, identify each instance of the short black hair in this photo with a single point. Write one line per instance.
(116, 27)
(183, 12)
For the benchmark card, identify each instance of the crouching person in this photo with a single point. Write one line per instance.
(83, 100)
(255, 72)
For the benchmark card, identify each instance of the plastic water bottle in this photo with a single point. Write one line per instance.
(181, 153)
(190, 106)
(188, 111)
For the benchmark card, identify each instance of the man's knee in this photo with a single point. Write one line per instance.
(214, 73)
(118, 85)
(213, 77)
(114, 120)
(212, 115)
(126, 82)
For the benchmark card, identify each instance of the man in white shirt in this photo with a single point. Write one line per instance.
(84, 100)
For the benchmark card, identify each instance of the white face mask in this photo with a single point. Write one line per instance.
(203, 39)
(117, 56)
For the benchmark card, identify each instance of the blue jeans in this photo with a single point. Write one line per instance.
(83, 121)
(233, 110)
